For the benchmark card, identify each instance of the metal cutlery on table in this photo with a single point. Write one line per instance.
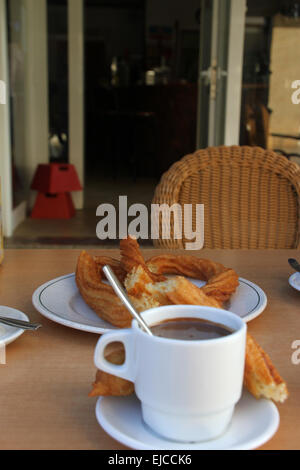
(295, 265)
(24, 325)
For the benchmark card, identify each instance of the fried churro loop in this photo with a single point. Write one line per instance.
(221, 282)
(177, 290)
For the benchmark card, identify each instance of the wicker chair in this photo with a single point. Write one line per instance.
(251, 197)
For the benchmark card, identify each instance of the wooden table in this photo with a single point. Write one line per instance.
(44, 386)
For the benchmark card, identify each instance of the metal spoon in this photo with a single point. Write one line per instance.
(24, 325)
(114, 282)
(295, 265)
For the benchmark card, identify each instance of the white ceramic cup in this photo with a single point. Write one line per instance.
(188, 389)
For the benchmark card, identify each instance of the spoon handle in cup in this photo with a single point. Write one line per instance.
(116, 285)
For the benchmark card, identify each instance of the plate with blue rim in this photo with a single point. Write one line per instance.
(60, 301)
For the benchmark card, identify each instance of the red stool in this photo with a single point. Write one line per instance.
(54, 182)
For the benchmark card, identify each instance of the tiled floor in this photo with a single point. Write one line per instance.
(81, 230)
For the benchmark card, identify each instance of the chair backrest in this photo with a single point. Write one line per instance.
(251, 197)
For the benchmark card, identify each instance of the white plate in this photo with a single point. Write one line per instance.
(254, 423)
(294, 281)
(59, 300)
(8, 334)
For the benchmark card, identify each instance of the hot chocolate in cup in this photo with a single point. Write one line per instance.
(188, 388)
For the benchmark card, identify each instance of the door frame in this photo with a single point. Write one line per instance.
(5, 134)
(76, 92)
(220, 73)
(237, 24)
(36, 106)
(35, 119)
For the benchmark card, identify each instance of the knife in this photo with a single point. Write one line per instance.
(295, 265)
(24, 325)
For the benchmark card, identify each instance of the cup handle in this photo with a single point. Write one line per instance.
(125, 371)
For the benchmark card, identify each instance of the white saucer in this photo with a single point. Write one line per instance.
(294, 281)
(8, 334)
(60, 301)
(254, 423)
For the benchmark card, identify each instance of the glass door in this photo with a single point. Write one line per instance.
(24, 54)
(270, 105)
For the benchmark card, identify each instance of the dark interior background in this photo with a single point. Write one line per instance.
(132, 128)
